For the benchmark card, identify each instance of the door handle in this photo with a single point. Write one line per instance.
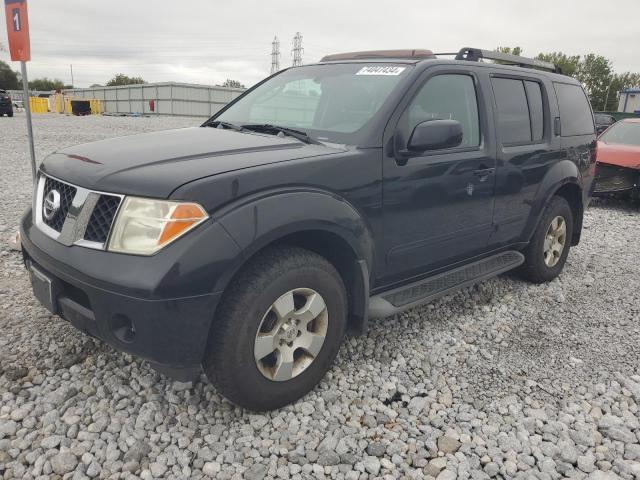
(483, 173)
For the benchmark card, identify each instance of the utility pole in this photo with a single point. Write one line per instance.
(72, 84)
(297, 50)
(275, 55)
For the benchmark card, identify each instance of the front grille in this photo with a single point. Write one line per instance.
(101, 219)
(67, 192)
(610, 178)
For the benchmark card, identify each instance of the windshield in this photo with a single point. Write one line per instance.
(622, 133)
(329, 102)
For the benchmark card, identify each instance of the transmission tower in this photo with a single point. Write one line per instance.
(297, 50)
(275, 55)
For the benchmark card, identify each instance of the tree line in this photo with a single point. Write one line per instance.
(595, 72)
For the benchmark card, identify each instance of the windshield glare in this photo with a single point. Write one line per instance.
(329, 102)
(623, 133)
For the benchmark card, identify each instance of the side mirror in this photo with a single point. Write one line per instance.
(435, 135)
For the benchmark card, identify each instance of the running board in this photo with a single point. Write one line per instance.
(428, 289)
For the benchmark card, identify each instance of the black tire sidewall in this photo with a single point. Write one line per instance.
(236, 362)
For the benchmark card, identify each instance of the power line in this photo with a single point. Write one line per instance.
(297, 50)
(275, 55)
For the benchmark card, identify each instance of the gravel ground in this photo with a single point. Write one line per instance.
(503, 380)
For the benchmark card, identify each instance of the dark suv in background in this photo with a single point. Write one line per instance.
(327, 194)
(6, 107)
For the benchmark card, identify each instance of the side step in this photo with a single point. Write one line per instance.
(428, 289)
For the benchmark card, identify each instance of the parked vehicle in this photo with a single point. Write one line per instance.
(357, 187)
(6, 107)
(603, 121)
(618, 167)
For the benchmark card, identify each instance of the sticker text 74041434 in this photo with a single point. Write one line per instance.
(380, 70)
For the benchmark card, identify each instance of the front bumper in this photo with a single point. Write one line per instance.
(615, 179)
(159, 308)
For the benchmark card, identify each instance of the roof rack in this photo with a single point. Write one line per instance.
(476, 54)
(412, 54)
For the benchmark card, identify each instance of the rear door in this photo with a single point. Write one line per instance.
(527, 149)
(437, 205)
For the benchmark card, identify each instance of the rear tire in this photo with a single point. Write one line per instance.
(549, 247)
(253, 312)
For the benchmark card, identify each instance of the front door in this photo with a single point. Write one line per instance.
(437, 205)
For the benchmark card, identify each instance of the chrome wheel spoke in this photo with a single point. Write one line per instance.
(264, 345)
(283, 369)
(311, 343)
(314, 307)
(284, 305)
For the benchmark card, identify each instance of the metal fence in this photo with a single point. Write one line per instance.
(167, 98)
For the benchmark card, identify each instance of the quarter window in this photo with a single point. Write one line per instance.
(575, 112)
(448, 96)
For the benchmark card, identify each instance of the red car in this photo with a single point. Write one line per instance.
(618, 166)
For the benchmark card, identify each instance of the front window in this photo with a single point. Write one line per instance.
(329, 102)
(623, 133)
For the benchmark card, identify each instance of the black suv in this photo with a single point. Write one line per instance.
(6, 107)
(327, 194)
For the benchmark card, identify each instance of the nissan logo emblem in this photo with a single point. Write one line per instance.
(51, 204)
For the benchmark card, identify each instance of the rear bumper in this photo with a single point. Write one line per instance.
(6, 107)
(615, 179)
(126, 300)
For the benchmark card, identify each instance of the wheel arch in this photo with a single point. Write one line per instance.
(562, 180)
(315, 220)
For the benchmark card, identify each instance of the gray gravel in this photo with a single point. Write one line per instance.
(504, 379)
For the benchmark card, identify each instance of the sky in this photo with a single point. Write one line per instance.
(208, 41)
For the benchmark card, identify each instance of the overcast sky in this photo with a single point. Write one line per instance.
(207, 41)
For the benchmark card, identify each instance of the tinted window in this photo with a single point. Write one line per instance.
(623, 133)
(534, 98)
(446, 97)
(331, 102)
(513, 113)
(575, 113)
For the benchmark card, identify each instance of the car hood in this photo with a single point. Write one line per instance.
(620, 155)
(155, 164)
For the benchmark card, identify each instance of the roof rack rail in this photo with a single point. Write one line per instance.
(476, 54)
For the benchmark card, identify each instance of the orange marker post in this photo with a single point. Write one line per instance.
(20, 49)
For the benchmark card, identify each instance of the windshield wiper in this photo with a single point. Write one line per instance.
(229, 125)
(291, 132)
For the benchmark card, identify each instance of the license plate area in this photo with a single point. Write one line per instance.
(42, 288)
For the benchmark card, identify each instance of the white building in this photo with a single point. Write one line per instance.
(630, 100)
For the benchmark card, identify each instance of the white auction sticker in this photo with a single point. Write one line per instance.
(381, 70)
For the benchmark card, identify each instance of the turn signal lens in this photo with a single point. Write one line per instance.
(143, 226)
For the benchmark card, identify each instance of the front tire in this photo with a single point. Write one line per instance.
(549, 247)
(278, 329)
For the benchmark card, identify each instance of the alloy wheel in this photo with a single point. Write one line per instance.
(291, 334)
(554, 241)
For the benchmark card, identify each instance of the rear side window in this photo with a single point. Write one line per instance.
(575, 113)
(513, 111)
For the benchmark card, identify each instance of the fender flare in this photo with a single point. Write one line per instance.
(261, 219)
(560, 174)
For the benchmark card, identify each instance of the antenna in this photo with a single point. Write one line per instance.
(297, 50)
(275, 55)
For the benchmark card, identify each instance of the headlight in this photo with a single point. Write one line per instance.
(144, 226)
